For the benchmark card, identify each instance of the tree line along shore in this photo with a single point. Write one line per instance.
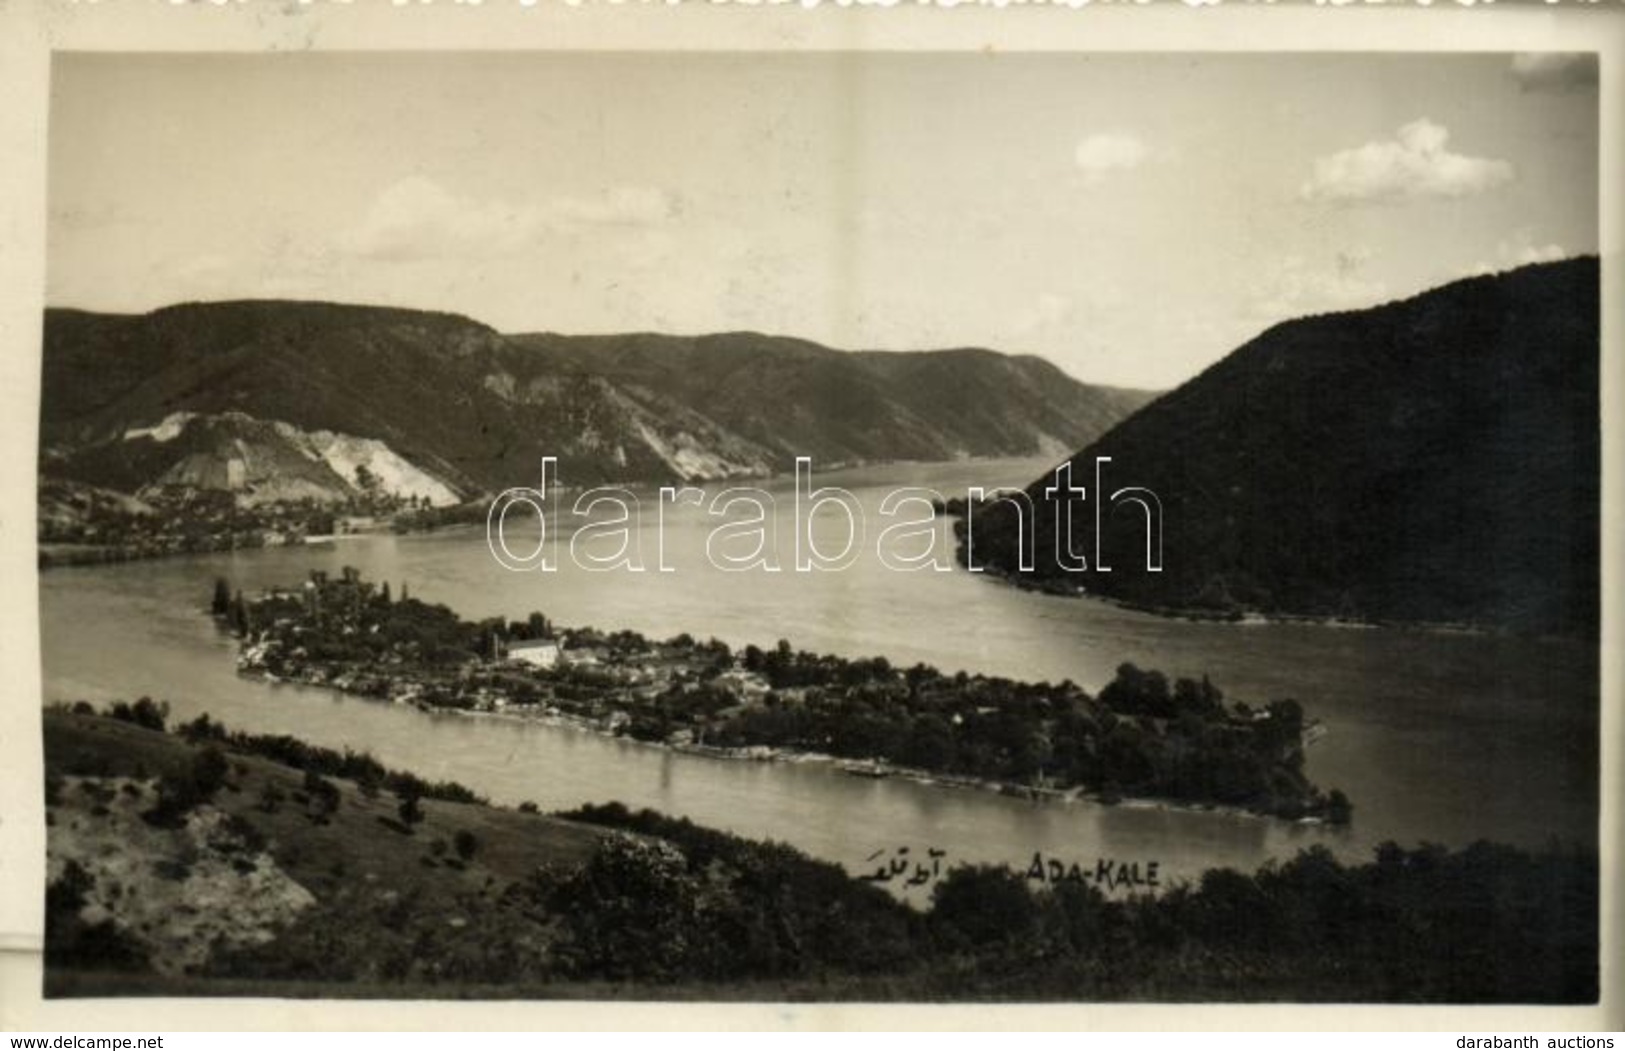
(85, 525)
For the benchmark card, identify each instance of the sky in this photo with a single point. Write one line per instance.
(1132, 218)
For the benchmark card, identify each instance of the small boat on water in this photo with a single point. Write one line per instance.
(870, 769)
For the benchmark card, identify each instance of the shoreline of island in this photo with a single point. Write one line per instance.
(1142, 741)
(877, 770)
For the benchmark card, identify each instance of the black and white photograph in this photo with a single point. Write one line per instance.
(850, 525)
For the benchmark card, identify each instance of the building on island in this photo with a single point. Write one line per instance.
(540, 653)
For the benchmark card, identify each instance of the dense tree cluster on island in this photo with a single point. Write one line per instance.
(1142, 736)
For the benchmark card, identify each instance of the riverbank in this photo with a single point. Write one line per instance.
(1244, 616)
(61, 555)
(164, 848)
(866, 769)
(1227, 612)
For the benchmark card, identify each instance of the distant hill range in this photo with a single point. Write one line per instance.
(1435, 459)
(281, 400)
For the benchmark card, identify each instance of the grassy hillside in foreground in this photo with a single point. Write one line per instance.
(172, 873)
(383, 897)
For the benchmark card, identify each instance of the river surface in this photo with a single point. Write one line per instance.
(1437, 737)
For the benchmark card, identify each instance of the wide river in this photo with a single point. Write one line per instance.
(1440, 737)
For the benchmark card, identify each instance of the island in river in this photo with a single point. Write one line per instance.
(1140, 737)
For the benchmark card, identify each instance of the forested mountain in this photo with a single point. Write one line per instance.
(234, 394)
(790, 397)
(1435, 459)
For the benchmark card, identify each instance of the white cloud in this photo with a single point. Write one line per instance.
(1415, 163)
(1049, 311)
(201, 271)
(1554, 70)
(1519, 250)
(1297, 289)
(1055, 315)
(417, 218)
(1101, 154)
(619, 206)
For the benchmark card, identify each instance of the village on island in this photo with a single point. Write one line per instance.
(1142, 738)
